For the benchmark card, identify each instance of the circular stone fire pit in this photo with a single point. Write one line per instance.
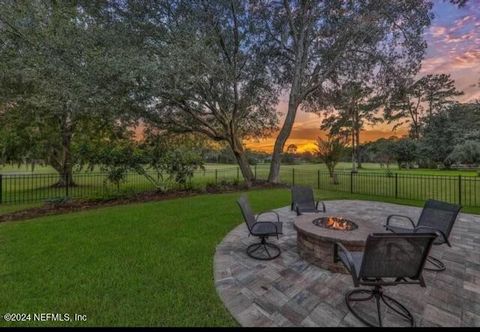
(316, 235)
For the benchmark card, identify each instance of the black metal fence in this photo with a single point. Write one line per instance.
(23, 188)
(29, 187)
(464, 190)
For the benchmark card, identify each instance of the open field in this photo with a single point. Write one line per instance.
(456, 186)
(263, 169)
(144, 264)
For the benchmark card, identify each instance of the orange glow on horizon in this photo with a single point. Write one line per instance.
(307, 128)
(307, 144)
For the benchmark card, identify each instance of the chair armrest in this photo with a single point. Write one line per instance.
(266, 222)
(323, 206)
(398, 216)
(266, 212)
(348, 255)
(433, 230)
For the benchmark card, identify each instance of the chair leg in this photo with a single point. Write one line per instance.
(379, 296)
(273, 253)
(438, 265)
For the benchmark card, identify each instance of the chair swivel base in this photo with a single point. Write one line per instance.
(378, 294)
(437, 264)
(263, 250)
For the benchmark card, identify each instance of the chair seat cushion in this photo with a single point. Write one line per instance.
(267, 228)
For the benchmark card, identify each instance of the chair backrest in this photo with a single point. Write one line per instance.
(439, 215)
(247, 212)
(395, 255)
(303, 195)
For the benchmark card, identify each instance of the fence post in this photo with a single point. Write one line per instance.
(351, 182)
(396, 185)
(318, 179)
(67, 180)
(293, 176)
(255, 167)
(460, 190)
(216, 176)
(238, 173)
(1, 188)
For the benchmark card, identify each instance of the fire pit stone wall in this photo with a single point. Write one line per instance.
(316, 244)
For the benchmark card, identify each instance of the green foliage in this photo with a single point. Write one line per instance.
(405, 152)
(174, 158)
(466, 153)
(330, 152)
(413, 101)
(65, 75)
(288, 158)
(381, 151)
(445, 130)
(177, 156)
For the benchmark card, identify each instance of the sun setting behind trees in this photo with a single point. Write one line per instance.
(260, 75)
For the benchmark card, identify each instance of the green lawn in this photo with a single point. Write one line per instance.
(144, 264)
(134, 265)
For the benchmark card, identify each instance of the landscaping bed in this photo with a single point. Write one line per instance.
(74, 205)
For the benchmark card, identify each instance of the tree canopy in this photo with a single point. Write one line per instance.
(211, 74)
(313, 42)
(64, 79)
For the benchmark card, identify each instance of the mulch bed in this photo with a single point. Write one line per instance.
(81, 205)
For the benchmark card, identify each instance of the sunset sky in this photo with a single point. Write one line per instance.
(453, 48)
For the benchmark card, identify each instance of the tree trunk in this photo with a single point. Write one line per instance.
(239, 153)
(64, 176)
(281, 139)
(415, 130)
(354, 152)
(359, 157)
(331, 172)
(63, 163)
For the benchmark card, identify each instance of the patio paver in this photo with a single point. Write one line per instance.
(288, 291)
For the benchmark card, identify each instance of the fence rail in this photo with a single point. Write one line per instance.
(465, 190)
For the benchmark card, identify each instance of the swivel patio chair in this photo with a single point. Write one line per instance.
(303, 201)
(388, 260)
(437, 217)
(262, 250)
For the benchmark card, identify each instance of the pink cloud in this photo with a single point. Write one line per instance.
(438, 31)
(461, 22)
(467, 60)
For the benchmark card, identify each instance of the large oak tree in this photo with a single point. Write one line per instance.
(65, 77)
(312, 40)
(211, 73)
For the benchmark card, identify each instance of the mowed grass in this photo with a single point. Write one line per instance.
(147, 264)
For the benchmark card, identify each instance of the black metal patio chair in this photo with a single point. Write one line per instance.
(437, 217)
(303, 201)
(262, 250)
(388, 260)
